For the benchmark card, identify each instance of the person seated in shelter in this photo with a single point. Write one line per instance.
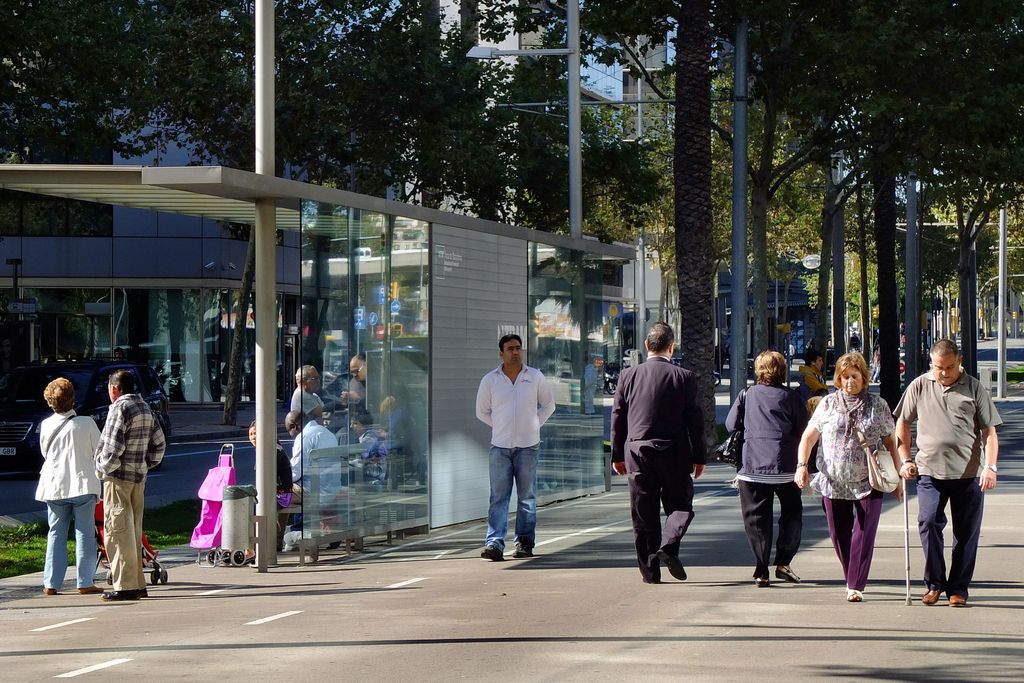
(304, 398)
(285, 496)
(812, 381)
(309, 436)
(374, 456)
(355, 396)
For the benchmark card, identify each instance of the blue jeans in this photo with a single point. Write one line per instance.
(506, 465)
(59, 514)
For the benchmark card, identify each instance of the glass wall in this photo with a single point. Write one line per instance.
(364, 325)
(571, 335)
(183, 334)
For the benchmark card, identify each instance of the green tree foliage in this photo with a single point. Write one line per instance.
(65, 94)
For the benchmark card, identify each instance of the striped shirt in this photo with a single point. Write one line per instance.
(132, 441)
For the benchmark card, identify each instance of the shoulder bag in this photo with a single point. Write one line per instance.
(731, 450)
(882, 474)
(45, 447)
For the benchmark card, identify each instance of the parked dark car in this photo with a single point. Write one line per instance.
(22, 407)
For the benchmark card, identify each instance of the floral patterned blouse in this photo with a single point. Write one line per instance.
(842, 465)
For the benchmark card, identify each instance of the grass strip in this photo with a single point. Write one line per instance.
(23, 548)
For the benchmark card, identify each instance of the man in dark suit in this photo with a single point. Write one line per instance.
(658, 440)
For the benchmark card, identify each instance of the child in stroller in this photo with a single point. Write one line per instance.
(157, 574)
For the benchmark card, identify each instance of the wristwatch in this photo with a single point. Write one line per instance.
(993, 468)
(907, 461)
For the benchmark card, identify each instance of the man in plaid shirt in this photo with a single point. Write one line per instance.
(132, 442)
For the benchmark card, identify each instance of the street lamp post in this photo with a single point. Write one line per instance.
(572, 52)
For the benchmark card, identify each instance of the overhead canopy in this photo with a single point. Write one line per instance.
(223, 193)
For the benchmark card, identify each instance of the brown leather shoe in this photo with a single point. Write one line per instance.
(957, 601)
(931, 597)
(90, 590)
(49, 591)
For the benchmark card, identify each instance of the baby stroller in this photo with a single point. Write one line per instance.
(157, 574)
(207, 536)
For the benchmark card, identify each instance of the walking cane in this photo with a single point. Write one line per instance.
(906, 535)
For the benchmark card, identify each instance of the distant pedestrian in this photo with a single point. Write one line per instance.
(851, 506)
(69, 486)
(773, 419)
(657, 435)
(591, 380)
(956, 420)
(812, 381)
(514, 400)
(131, 444)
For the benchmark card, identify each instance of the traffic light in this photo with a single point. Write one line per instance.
(397, 330)
(394, 289)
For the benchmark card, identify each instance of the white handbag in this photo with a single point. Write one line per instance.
(882, 474)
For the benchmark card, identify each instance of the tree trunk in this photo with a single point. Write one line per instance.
(759, 265)
(693, 218)
(238, 334)
(866, 336)
(968, 300)
(888, 316)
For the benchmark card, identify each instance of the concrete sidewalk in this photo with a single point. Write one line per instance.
(428, 608)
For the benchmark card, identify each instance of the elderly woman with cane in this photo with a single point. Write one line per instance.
(845, 421)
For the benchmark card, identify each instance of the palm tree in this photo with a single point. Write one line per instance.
(692, 177)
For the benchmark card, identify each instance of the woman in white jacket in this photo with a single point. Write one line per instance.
(69, 486)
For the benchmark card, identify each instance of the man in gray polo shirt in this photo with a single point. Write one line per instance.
(955, 417)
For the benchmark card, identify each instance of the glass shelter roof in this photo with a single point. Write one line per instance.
(223, 193)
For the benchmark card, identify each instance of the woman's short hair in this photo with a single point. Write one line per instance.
(60, 395)
(851, 361)
(770, 368)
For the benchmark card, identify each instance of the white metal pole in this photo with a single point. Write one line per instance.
(1001, 308)
(572, 15)
(265, 281)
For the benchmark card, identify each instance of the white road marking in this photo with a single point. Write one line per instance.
(580, 533)
(400, 584)
(63, 623)
(282, 615)
(94, 667)
(442, 553)
(217, 590)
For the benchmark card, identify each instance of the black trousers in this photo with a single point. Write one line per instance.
(657, 476)
(756, 503)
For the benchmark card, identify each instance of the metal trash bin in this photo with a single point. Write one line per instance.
(237, 517)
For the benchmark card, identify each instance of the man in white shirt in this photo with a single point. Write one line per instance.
(514, 400)
(313, 435)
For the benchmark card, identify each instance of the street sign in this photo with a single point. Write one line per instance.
(396, 305)
(382, 294)
(374, 318)
(28, 305)
(359, 317)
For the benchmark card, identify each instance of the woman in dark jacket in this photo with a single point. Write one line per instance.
(773, 418)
